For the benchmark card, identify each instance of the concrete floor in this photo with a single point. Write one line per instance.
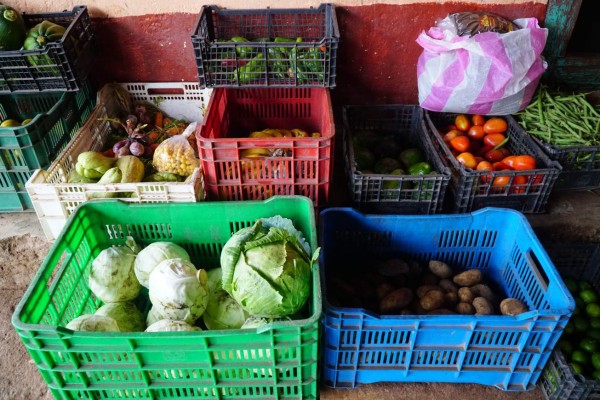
(570, 216)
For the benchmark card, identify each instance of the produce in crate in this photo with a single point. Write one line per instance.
(126, 314)
(400, 287)
(12, 29)
(93, 323)
(580, 343)
(222, 311)
(152, 255)
(175, 155)
(168, 325)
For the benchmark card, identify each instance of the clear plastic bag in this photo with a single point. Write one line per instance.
(175, 155)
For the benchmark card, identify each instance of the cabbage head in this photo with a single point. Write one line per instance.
(112, 278)
(222, 312)
(152, 317)
(126, 314)
(154, 254)
(178, 291)
(168, 325)
(257, 322)
(93, 323)
(267, 268)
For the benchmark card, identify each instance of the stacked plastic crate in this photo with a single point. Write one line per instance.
(270, 69)
(44, 99)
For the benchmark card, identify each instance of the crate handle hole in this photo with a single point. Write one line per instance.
(164, 91)
(538, 270)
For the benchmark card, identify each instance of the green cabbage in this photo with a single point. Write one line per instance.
(267, 268)
(93, 323)
(222, 312)
(126, 314)
(154, 254)
(112, 278)
(178, 291)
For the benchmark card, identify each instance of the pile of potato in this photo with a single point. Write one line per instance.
(398, 287)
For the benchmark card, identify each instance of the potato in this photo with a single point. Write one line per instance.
(392, 267)
(483, 306)
(414, 269)
(468, 278)
(481, 290)
(448, 285)
(395, 301)
(383, 289)
(441, 311)
(416, 307)
(465, 309)
(440, 269)
(465, 295)
(512, 306)
(432, 300)
(429, 279)
(451, 299)
(422, 290)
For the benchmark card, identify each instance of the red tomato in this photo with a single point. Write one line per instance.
(460, 144)
(500, 166)
(495, 125)
(493, 139)
(504, 151)
(518, 184)
(467, 159)
(451, 127)
(537, 180)
(476, 132)
(475, 146)
(477, 120)
(479, 159)
(462, 122)
(523, 162)
(493, 156)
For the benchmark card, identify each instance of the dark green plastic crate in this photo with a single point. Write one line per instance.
(13, 196)
(56, 117)
(277, 361)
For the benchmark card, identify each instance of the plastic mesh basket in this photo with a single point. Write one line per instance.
(60, 66)
(508, 352)
(277, 361)
(262, 60)
(386, 193)
(473, 190)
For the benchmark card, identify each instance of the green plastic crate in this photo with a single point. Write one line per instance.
(13, 196)
(55, 118)
(278, 361)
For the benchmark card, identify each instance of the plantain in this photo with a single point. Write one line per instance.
(299, 133)
(255, 152)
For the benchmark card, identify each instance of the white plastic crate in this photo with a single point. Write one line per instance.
(54, 199)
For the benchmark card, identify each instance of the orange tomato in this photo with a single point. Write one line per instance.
(451, 135)
(460, 144)
(500, 166)
(495, 125)
(518, 184)
(523, 162)
(467, 159)
(501, 181)
(484, 166)
(462, 122)
(510, 161)
(477, 120)
(493, 139)
(476, 132)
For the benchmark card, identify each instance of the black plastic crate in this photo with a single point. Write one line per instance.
(66, 63)
(473, 189)
(261, 61)
(580, 166)
(387, 193)
(579, 261)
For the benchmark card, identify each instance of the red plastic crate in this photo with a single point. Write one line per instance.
(304, 169)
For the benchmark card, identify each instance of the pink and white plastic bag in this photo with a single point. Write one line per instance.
(488, 73)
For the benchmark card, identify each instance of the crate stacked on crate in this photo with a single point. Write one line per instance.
(44, 96)
(379, 142)
(362, 345)
(277, 360)
(55, 197)
(269, 127)
(578, 261)
(527, 191)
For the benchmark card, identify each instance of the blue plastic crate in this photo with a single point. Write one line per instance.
(507, 352)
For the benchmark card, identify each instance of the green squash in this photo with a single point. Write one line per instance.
(12, 29)
(37, 38)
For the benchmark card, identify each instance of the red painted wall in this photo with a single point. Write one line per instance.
(376, 58)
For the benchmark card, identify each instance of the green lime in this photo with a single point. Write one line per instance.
(410, 157)
(596, 375)
(589, 296)
(566, 347)
(585, 285)
(596, 360)
(395, 184)
(595, 323)
(594, 334)
(572, 285)
(590, 345)
(580, 357)
(593, 310)
(26, 121)
(581, 324)
(576, 367)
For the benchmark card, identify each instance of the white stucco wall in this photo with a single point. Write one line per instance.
(125, 8)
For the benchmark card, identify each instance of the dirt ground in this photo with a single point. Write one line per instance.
(570, 217)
